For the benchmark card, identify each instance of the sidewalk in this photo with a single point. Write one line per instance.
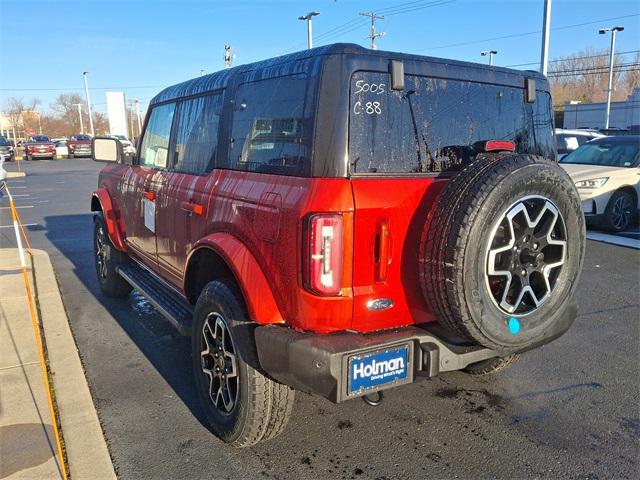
(27, 443)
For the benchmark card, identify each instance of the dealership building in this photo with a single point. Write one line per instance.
(624, 115)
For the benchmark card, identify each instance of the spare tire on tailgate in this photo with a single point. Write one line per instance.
(502, 251)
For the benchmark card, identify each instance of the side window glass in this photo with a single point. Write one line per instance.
(196, 134)
(270, 132)
(155, 142)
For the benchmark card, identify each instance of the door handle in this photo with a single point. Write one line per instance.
(192, 208)
(150, 195)
(383, 251)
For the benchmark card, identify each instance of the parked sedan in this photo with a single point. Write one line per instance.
(6, 149)
(569, 140)
(606, 172)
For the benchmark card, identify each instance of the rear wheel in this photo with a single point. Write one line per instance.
(618, 215)
(70, 155)
(502, 252)
(107, 259)
(241, 404)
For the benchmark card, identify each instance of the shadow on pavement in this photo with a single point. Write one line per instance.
(168, 351)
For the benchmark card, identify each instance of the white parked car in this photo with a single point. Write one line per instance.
(62, 150)
(569, 140)
(3, 172)
(127, 146)
(606, 172)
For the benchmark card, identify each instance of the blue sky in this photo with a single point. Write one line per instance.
(141, 46)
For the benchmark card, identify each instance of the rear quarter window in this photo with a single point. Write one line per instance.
(430, 126)
(272, 125)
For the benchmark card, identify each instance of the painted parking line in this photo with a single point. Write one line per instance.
(614, 239)
(17, 206)
(24, 225)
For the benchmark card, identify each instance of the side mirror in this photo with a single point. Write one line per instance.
(105, 149)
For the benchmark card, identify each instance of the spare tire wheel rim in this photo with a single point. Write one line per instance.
(219, 364)
(526, 252)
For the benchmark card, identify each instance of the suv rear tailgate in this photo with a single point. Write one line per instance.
(390, 216)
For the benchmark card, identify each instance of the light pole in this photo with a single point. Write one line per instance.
(86, 94)
(308, 18)
(490, 53)
(138, 115)
(546, 26)
(39, 122)
(613, 31)
(79, 105)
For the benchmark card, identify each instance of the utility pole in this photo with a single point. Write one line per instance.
(308, 18)
(79, 105)
(373, 35)
(86, 93)
(229, 56)
(613, 31)
(546, 25)
(489, 53)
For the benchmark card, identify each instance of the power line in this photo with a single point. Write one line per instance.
(76, 88)
(602, 69)
(513, 35)
(555, 75)
(571, 58)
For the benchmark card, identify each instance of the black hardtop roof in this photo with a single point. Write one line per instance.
(310, 61)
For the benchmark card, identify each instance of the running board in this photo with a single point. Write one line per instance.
(168, 302)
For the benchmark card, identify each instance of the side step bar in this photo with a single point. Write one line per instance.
(172, 306)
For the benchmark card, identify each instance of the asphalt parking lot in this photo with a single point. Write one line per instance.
(569, 409)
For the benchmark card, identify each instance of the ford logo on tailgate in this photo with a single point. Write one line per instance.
(371, 370)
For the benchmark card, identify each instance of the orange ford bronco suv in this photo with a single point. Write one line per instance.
(342, 221)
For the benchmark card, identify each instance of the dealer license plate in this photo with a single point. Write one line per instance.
(371, 370)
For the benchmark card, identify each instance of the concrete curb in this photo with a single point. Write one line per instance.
(87, 453)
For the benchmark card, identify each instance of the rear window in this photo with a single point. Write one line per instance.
(40, 138)
(81, 138)
(431, 125)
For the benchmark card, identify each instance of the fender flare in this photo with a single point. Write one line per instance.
(253, 283)
(111, 218)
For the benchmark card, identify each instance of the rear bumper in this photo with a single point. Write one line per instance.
(319, 364)
(42, 154)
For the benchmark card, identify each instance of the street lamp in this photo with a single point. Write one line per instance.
(613, 31)
(79, 105)
(308, 18)
(491, 53)
(86, 93)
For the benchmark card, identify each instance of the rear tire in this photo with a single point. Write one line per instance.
(70, 155)
(505, 234)
(241, 404)
(491, 365)
(620, 212)
(107, 259)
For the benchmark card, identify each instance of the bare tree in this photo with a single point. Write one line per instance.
(584, 76)
(19, 113)
(632, 77)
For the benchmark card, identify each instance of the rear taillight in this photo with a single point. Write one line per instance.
(323, 254)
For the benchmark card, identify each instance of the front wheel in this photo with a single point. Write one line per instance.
(241, 404)
(491, 365)
(620, 210)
